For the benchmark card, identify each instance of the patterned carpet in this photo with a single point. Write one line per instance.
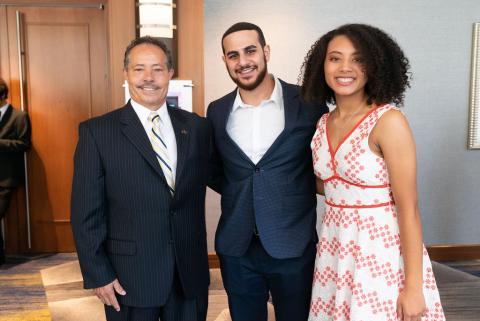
(22, 293)
(49, 288)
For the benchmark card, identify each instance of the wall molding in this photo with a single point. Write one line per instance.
(454, 252)
(439, 252)
(213, 261)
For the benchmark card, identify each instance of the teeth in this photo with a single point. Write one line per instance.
(246, 70)
(345, 80)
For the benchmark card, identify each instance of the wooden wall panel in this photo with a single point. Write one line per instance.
(454, 252)
(190, 49)
(121, 30)
(4, 65)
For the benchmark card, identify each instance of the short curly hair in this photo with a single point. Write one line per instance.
(386, 67)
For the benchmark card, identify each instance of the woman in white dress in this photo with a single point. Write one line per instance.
(371, 263)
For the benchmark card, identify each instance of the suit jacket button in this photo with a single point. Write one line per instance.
(257, 170)
(173, 213)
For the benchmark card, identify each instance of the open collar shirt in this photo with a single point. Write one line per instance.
(255, 128)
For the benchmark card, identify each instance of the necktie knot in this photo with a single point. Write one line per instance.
(154, 117)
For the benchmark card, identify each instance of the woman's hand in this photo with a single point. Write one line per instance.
(411, 304)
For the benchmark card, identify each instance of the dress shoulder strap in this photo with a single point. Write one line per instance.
(375, 115)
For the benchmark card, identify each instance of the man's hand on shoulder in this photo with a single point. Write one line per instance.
(106, 294)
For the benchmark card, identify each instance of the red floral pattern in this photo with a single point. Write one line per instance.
(359, 269)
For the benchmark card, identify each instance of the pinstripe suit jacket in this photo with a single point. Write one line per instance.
(278, 193)
(126, 223)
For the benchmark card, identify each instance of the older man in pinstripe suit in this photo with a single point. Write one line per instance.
(138, 199)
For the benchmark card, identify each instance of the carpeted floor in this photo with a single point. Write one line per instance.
(459, 292)
(472, 266)
(49, 287)
(22, 292)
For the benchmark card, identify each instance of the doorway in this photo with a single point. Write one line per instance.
(58, 70)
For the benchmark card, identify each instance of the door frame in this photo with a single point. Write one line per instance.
(120, 27)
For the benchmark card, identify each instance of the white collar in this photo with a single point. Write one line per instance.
(3, 110)
(276, 97)
(143, 112)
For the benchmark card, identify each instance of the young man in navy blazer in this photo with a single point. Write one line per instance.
(138, 199)
(266, 235)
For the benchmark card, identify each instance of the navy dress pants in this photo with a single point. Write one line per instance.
(250, 279)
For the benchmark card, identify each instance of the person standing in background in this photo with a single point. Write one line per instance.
(267, 231)
(15, 135)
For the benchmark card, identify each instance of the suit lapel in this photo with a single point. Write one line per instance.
(224, 114)
(6, 117)
(182, 136)
(291, 106)
(133, 129)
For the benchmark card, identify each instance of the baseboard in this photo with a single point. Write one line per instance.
(439, 253)
(213, 261)
(454, 252)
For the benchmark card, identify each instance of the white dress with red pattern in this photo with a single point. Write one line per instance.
(359, 269)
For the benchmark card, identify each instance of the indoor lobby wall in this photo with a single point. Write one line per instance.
(437, 39)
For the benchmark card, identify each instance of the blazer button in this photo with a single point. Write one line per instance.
(257, 170)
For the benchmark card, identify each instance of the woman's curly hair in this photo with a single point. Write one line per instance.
(386, 66)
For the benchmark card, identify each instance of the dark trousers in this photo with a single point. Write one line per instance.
(249, 279)
(177, 308)
(5, 196)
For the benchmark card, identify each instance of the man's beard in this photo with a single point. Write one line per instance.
(252, 86)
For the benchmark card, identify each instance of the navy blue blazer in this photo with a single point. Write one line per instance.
(278, 193)
(125, 221)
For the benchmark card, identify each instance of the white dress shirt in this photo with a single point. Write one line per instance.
(166, 127)
(3, 110)
(255, 128)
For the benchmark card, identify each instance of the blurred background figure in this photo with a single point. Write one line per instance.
(14, 140)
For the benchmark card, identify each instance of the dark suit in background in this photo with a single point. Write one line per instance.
(14, 141)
